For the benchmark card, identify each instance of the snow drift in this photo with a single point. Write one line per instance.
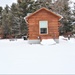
(48, 42)
(19, 57)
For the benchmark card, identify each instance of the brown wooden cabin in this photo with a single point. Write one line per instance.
(43, 24)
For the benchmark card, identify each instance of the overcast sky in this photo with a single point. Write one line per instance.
(9, 2)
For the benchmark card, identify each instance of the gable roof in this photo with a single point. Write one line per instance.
(43, 8)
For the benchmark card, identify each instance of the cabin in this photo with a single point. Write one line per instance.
(43, 24)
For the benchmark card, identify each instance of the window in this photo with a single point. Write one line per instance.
(43, 27)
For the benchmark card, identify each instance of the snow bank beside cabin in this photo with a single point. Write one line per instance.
(48, 42)
(72, 40)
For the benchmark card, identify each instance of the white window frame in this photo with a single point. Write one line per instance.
(40, 27)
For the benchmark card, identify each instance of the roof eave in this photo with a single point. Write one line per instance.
(60, 16)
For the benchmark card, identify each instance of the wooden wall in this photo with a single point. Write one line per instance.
(33, 25)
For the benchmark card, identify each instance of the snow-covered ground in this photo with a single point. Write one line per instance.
(19, 57)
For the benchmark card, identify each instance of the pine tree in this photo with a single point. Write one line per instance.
(15, 26)
(42, 3)
(1, 9)
(5, 21)
(25, 7)
(62, 7)
(74, 13)
(73, 19)
(1, 16)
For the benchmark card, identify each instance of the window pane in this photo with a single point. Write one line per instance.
(43, 30)
(43, 24)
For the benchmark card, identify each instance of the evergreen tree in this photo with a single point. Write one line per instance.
(25, 7)
(42, 3)
(64, 9)
(66, 21)
(1, 9)
(6, 21)
(15, 26)
(73, 19)
(73, 16)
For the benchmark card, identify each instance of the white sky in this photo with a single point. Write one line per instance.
(9, 2)
(73, 0)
